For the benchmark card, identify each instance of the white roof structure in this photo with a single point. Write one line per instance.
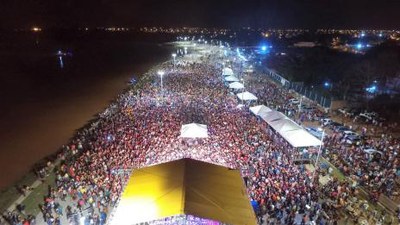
(231, 79)
(287, 128)
(246, 96)
(236, 85)
(272, 116)
(194, 130)
(300, 138)
(227, 71)
(260, 110)
(284, 125)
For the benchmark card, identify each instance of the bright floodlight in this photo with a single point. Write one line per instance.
(326, 84)
(359, 45)
(264, 48)
(173, 55)
(160, 72)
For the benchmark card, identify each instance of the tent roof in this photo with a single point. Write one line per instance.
(300, 138)
(272, 116)
(290, 130)
(231, 78)
(260, 110)
(284, 125)
(187, 187)
(227, 71)
(246, 96)
(236, 85)
(194, 130)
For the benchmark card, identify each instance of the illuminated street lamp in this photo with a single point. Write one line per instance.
(319, 152)
(174, 56)
(161, 74)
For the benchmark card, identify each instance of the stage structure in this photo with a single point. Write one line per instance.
(184, 192)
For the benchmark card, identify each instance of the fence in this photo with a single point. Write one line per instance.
(299, 87)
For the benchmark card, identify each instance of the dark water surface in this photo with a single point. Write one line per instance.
(43, 104)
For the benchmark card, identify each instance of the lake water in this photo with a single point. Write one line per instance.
(43, 103)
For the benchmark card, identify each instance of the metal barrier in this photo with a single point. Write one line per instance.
(299, 87)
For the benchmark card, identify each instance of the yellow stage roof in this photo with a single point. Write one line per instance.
(187, 187)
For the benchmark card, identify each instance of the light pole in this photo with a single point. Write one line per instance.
(301, 101)
(174, 56)
(161, 74)
(319, 152)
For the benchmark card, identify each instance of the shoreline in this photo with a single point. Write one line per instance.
(32, 180)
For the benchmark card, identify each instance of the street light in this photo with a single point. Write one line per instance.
(319, 152)
(161, 74)
(174, 56)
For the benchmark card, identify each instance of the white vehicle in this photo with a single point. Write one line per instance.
(294, 101)
(366, 115)
(344, 111)
(326, 121)
(353, 140)
(350, 133)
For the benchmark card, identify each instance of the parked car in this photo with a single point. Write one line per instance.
(344, 111)
(326, 121)
(314, 131)
(335, 125)
(342, 129)
(306, 108)
(353, 140)
(349, 133)
(294, 101)
(366, 116)
(369, 115)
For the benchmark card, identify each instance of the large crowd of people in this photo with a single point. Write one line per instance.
(142, 128)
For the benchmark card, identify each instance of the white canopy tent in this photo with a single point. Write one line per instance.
(194, 130)
(231, 79)
(236, 85)
(260, 110)
(227, 71)
(246, 96)
(300, 138)
(272, 116)
(288, 129)
(284, 125)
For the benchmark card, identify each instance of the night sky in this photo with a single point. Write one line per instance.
(363, 14)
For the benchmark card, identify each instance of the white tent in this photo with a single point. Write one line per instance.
(231, 78)
(272, 116)
(284, 125)
(194, 130)
(260, 110)
(287, 128)
(246, 96)
(236, 85)
(300, 138)
(227, 71)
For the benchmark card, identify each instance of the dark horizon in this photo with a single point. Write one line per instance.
(311, 14)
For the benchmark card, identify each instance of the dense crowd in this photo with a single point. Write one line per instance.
(142, 128)
(374, 164)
